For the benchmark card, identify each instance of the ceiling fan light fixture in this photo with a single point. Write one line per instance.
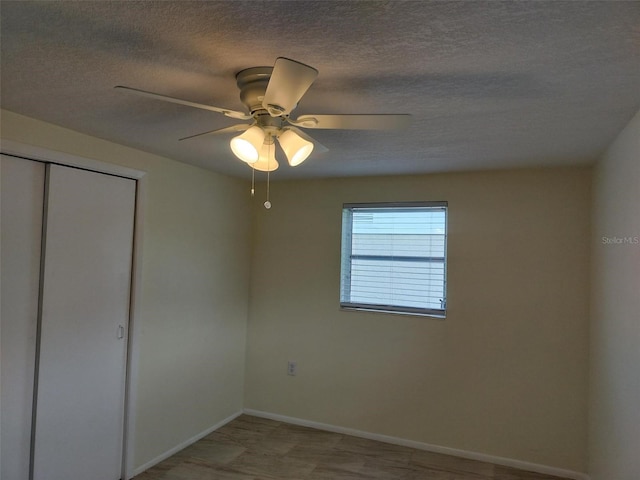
(247, 146)
(267, 161)
(296, 148)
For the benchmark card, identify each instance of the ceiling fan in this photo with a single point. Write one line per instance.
(271, 94)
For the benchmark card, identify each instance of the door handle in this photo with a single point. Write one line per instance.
(120, 331)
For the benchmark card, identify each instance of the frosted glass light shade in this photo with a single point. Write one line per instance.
(296, 148)
(267, 161)
(247, 146)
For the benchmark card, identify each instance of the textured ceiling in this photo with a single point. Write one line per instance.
(489, 84)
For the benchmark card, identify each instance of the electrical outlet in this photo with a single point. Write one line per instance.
(292, 368)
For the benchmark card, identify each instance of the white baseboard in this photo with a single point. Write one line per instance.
(507, 462)
(184, 444)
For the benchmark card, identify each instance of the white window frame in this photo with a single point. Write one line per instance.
(347, 257)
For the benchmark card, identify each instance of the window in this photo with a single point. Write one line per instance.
(394, 257)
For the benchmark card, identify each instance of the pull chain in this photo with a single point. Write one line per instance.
(267, 204)
(253, 182)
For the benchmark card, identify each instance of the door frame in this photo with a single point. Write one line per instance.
(31, 152)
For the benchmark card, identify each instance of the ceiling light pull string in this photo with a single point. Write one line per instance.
(253, 182)
(267, 204)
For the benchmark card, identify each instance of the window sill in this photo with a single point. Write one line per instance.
(411, 313)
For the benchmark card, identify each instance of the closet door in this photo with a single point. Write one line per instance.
(83, 334)
(22, 190)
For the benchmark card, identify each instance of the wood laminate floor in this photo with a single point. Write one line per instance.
(252, 448)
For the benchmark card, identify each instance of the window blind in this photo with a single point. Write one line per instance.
(394, 257)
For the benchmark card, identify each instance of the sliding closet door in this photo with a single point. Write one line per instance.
(22, 189)
(83, 335)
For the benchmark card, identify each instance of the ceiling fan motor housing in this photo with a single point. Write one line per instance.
(252, 83)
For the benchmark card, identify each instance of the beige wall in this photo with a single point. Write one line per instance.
(614, 425)
(505, 374)
(193, 304)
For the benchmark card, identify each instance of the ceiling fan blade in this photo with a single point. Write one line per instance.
(233, 128)
(288, 83)
(353, 122)
(317, 146)
(164, 98)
